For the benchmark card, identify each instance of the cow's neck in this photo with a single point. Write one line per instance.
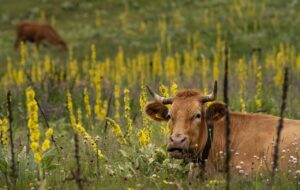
(219, 140)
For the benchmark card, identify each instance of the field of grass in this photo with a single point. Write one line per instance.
(97, 89)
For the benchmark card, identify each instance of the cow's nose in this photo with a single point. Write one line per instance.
(177, 139)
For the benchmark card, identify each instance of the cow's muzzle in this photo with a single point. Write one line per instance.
(178, 146)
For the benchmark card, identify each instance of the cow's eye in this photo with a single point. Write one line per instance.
(168, 117)
(197, 116)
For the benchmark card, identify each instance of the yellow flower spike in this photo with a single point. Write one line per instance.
(4, 131)
(23, 53)
(45, 145)
(170, 67)
(178, 19)
(164, 90)
(98, 109)
(187, 65)
(35, 136)
(143, 98)
(87, 105)
(100, 154)
(34, 146)
(70, 109)
(243, 105)
(33, 123)
(144, 136)
(242, 76)
(157, 69)
(117, 102)
(174, 88)
(127, 110)
(216, 66)
(162, 25)
(258, 101)
(144, 133)
(98, 20)
(79, 129)
(79, 116)
(94, 54)
(53, 21)
(37, 157)
(49, 133)
(117, 130)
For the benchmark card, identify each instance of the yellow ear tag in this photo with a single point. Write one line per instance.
(209, 103)
(158, 116)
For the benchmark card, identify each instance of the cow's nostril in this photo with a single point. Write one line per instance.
(177, 139)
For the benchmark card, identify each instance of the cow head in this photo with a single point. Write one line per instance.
(187, 119)
(61, 45)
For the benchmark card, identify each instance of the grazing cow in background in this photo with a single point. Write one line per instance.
(39, 34)
(252, 135)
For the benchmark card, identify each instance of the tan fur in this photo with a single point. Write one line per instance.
(252, 134)
(38, 33)
(252, 143)
(188, 93)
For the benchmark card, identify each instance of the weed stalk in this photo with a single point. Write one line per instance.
(280, 126)
(10, 120)
(227, 119)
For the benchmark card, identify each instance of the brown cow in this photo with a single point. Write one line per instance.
(38, 34)
(252, 135)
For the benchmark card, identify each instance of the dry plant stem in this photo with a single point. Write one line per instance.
(6, 178)
(97, 160)
(77, 175)
(46, 121)
(227, 120)
(280, 126)
(108, 110)
(10, 119)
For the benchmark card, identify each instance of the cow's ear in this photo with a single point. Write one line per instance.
(215, 111)
(157, 111)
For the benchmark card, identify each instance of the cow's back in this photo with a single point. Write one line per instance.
(29, 30)
(253, 137)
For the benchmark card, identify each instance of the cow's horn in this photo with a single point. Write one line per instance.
(212, 96)
(159, 98)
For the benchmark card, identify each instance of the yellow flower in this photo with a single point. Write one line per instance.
(143, 97)
(170, 67)
(100, 154)
(88, 109)
(30, 93)
(94, 54)
(37, 157)
(258, 101)
(70, 109)
(243, 105)
(34, 146)
(164, 90)
(117, 130)
(144, 136)
(174, 88)
(35, 136)
(49, 133)
(117, 102)
(45, 145)
(127, 110)
(3, 131)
